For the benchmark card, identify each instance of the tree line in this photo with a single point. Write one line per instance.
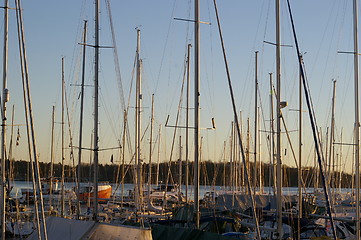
(211, 173)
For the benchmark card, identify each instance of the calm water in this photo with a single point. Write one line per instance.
(18, 185)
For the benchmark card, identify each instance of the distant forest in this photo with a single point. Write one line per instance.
(211, 173)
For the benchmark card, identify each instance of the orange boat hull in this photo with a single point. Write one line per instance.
(102, 194)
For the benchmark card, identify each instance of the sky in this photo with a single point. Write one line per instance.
(53, 30)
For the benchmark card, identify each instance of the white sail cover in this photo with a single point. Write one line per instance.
(63, 228)
(103, 231)
(71, 229)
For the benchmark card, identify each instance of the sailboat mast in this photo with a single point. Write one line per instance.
(255, 121)
(62, 139)
(224, 165)
(231, 163)
(259, 153)
(138, 122)
(272, 138)
(96, 108)
(332, 141)
(248, 147)
(196, 110)
(180, 168)
(278, 121)
(234, 157)
(30, 122)
(123, 154)
(299, 155)
(81, 120)
(340, 175)
(150, 148)
(357, 121)
(187, 118)
(3, 135)
(52, 158)
(158, 157)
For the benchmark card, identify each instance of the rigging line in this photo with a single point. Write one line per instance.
(115, 56)
(70, 136)
(105, 106)
(129, 165)
(343, 14)
(165, 46)
(255, 42)
(170, 104)
(74, 105)
(110, 119)
(346, 90)
(131, 81)
(132, 158)
(307, 87)
(185, 53)
(129, 142)
(313, 125)
(29, 119)
(264, 38)
(237, 125)
(249, 72)
(169, 174)
(327, 60)
(345, 156)
(210, 95)
(146, 94)
(75, 56)
(259, 24)
(263, 116)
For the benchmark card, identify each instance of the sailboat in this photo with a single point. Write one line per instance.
(87, 192)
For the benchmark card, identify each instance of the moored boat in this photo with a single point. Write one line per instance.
(104, 192)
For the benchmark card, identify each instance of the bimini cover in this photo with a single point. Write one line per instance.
(63, 228)
(104, 231)
(166, 232)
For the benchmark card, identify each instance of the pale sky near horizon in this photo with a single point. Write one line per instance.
(53, 29)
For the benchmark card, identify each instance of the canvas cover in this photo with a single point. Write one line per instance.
(103, 231)
(71, 229)
(242, 202)
(63, 228)
(161, 232)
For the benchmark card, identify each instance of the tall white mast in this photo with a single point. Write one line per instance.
(196, 110)
(62, 203)
(259, 153)
(52, 158)
(332, 178)
(357, 121)
(180, 168)
(96, 108)
(272, 134)
(158, 157)
(278, 122)
(150, 148)
(30, 123)
(299, 155)
(3, 129)
(187, 119)
(138, 122)
(81, 121)
(255, 121)
(231, 165)
(123, 154)
(248, 146)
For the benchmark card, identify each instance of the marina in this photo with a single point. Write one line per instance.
(221, 137)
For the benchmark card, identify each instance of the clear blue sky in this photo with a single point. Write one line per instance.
(53, 29)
